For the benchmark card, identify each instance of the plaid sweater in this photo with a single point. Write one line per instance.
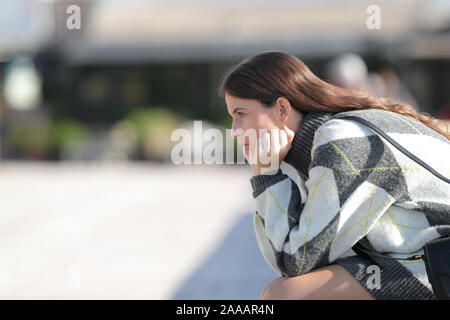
(341, 183)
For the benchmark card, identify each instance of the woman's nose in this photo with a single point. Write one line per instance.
(234, 131)
(233, 134)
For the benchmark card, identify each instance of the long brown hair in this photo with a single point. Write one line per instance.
(269, 75)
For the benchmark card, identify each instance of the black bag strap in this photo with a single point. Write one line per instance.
(358, 248)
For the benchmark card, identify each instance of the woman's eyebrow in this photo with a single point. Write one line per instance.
(237, 109)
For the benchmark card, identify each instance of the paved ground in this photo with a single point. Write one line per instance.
(128, 231)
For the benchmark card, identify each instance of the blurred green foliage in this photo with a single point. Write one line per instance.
(154, 126)
(145, 132)
(226, 122)
(38, 141)
(66, 132)
(30, 141)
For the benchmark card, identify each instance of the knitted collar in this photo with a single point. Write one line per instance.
(299, 156)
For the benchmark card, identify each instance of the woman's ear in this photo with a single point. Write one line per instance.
(284, 109)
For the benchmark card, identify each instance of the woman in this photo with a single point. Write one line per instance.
(337, 183)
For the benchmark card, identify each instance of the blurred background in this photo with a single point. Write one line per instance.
(91, 204)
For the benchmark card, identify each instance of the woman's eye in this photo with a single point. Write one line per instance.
(240, 114)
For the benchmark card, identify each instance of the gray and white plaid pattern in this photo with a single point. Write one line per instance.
(356, 185)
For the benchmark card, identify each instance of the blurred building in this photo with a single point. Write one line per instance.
(170, 54)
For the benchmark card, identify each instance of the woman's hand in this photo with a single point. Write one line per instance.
(270, 150)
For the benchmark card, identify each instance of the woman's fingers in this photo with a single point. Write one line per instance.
(269, 156)
(289, 133)
(271, 145)
(283, 138)
(261, 145)
(253, 152)
(265, 151)
(275, 141)
(270, 149)
(286, 141)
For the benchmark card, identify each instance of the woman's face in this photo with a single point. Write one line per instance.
(250, 114)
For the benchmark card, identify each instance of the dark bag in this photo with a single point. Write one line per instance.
(436, 252)
(437, 262)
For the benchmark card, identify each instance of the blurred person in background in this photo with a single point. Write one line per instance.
(394, 88)
(338, 183)
(349, 71)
